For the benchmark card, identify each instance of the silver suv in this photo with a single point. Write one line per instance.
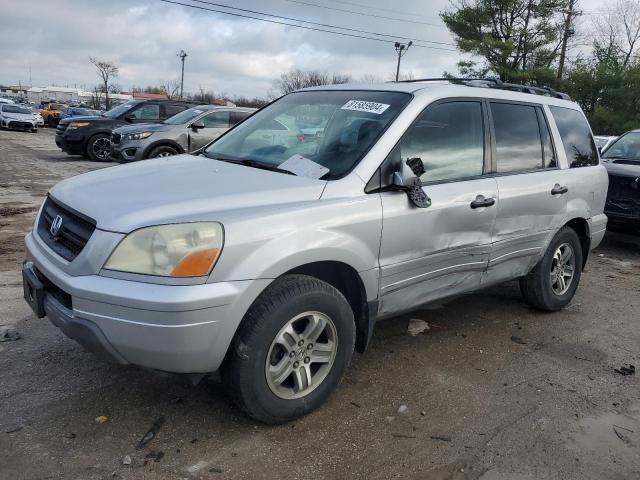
(270, 256)
(185, 132)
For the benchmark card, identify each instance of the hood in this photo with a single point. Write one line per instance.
(92, 118)
(622, 169)
(18, 116)
(143, 127)
(176, 189)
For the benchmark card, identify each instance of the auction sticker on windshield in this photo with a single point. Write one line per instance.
(303, 167)
(364, 106)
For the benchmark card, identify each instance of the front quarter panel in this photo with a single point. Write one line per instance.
(266, 244)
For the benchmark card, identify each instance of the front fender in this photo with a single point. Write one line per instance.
(340, 230)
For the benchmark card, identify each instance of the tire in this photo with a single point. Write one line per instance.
(256, 349)
(51, 123)
(98, 148)
(34, 130)
(162, 151)
(542, 287)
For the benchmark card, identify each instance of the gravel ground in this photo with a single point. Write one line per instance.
(494, 390)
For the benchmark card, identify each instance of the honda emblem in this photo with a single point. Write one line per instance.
(55, 225)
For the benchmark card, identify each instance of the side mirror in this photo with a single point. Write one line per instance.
(407, 178)
(195, 126)
(129, 118)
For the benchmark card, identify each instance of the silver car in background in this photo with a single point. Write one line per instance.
(270, 258)
(185, 132)
(17, 117)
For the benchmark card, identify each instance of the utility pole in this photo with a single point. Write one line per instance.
(568, 31)
(401, 48)
(182, 56)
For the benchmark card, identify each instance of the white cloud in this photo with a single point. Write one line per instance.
(225, 54)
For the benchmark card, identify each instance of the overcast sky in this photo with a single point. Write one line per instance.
(51, 41)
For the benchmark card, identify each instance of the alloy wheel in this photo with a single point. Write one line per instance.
(562, 269)
(101, 148)
(301, 355)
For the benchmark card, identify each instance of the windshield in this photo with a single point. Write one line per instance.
(331, 128)
(57, 107)
(626, 147)
(120, 109)
(184, 116)
(15, 109)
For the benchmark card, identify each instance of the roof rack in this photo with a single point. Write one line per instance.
(495, 83)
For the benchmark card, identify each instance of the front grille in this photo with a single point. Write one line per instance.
(73, 234)
(624, 188)
(16, 124)
(115, 138)
(61, 128)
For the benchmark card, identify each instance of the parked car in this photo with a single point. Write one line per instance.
(51, 113)
(6, 100)
(185, 132)
(36, 114)
(17, 117)
(71, 112)
(89, 136)
(603, 141)
(272, 267)
(622, 161)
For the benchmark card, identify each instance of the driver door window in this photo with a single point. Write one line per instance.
(216, 120)
(147, 112)
(449, 139)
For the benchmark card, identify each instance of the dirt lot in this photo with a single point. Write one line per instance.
(494, 390)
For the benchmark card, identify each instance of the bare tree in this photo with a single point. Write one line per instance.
(297, 79)
(617, 32)
(171, 88)
(106, 71)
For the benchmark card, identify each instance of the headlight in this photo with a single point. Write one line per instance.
(177, 250)
(74, 125)
(136, 136)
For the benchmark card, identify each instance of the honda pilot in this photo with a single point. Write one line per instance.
(270, 259)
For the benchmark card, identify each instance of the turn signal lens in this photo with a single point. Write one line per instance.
(196, 264)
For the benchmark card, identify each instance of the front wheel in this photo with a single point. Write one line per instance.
(554, 280)
(99, 148)
(162, 151)
(291, 350)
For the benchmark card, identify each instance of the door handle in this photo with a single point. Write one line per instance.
(480, 202)
(558, 190)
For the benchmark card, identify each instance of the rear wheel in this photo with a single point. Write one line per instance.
(554, 280)
(291, 350)
(51, 122)
(99, 147)
(162, 151)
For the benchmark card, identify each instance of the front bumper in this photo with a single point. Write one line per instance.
(20, 124)
(129, 151)
(174, 328)
(71, 143)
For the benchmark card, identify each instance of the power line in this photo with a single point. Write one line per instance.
(413, 14)
(365, 14)
(300, 26)
(321, 24)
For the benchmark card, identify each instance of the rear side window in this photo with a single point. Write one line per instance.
(237, 117)
(171, 110)
(449, 140)
(576, 137)
(518, 142)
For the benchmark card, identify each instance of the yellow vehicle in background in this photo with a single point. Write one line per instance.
(51, 112)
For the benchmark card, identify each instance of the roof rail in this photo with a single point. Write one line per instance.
(494, 83)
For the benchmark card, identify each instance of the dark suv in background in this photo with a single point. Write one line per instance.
(89, 136)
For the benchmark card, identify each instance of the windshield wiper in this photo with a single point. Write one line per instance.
(249, 163)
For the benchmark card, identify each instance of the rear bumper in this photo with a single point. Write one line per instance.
(174, 328)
